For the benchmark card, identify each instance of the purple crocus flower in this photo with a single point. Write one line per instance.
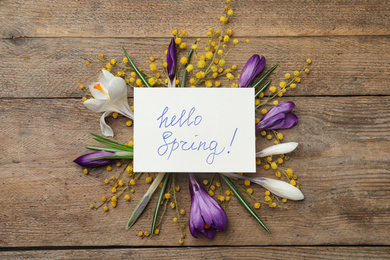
(206, 215)
(278, 117)
(171, 60)
(252, 68)
(83, 160)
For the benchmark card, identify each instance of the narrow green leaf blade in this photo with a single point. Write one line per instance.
(122, 148)
(144, 201)
(242, 200)
(183, 80)
(111, 157)
(263, 88)
(105, 149)
(109, 140)
(258, 82)
(158, 204)
(136, 69)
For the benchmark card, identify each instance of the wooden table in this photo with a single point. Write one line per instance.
(343, 108)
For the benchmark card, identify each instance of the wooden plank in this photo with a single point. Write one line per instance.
(342, 164)
(55, 67)
(135, 18)
(275, 252)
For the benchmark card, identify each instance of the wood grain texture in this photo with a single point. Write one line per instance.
(343, 106)
(137, 18)
(54, 68)
(342, 163)
(207, 253)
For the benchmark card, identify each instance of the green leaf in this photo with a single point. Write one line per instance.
(136, 69)
(111, 157)
(121, 148)
(183, 80)
(109, 140)
(258, 82)
(144, 201)
(105, 149)
(242, 200)
(158, 204)
(263, 88)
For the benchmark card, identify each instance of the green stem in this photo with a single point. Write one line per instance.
(183, 80)
(211, 182)
(129, 68)
(176, 206)
(121, 173)
(117, 195)
(158, 204)
(166, 204)
(136, 69)
(258, 82)
(263, 88)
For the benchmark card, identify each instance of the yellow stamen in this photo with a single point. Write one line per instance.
(98, 87)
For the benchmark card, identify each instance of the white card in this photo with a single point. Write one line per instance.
(194, 130)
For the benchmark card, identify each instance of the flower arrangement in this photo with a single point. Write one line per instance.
(204, 65)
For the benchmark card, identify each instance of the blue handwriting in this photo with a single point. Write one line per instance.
(171, 144)
(183, 119)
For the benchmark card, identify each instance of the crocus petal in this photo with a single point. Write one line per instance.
(278, 117)
(197, 204)
(127, 111)
(221, 221)
(105, 77)
(252, 68)
(214, 215)
(83, 160)
(283, 107)
(96, 105)
(171, 61)
(117, 88)
(193, 231)
(276, 124)
(196, 216)
(121, 106)
(277, 149)
(267, 123)
(280, 188)
(207, 215)
(106, 129)
(196, 221)
(172, 83)
(209, 233)
(289, 121)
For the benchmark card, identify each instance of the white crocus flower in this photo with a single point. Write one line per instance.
(279, 188)
(277, 149)
(110, 95)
